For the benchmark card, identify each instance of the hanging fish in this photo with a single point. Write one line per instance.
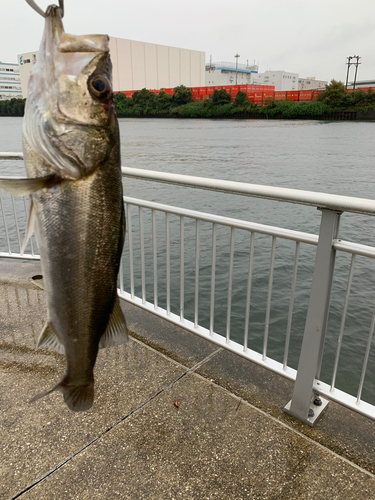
(72, 157)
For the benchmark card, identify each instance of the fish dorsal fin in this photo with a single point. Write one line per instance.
(48, 339)
(30, 226)
(117, 331)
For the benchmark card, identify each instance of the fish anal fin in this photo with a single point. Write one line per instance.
(77, 397)
(48, 339)
(30, 226)
(117, 331)
(21, 187)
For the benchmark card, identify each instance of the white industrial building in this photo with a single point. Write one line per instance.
(10, 81)
(138, 65)
(229, 73)
(282, 80)
(310, 83)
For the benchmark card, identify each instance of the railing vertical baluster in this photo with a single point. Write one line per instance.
(311, 355)
(213, 272)
(269, 295)
(5, 221)
(230, 282)
(27, 220)
(155, 258)
(131, 257)
(343, 318)
(248, 294)
(142, 244)
(182, 267)
(121, 276)
(364, 367)
(196, 286)
(291, 304)
(16, 220)
(168, 262)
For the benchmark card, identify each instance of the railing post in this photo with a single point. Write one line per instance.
(302, 405)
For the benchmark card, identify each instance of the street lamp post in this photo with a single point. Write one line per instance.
(236, 56)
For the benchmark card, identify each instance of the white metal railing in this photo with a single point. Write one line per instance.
(149, 238)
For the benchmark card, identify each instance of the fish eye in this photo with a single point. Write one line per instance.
(99, 87)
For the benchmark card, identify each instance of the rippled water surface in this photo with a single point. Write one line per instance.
(330, 157)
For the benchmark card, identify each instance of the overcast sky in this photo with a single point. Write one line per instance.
(310, 38)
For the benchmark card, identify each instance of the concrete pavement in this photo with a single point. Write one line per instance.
(174, 417)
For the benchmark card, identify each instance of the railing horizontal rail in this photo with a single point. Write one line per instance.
(25, 256)
(344, 398)
(288, 234)
(11, 156)
(354, 248)
(319, 200)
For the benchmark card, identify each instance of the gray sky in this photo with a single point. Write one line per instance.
(309, 38)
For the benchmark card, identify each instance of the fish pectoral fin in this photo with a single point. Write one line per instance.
(21, 187)
(77, 397)
(117, 331)
(49, 339)
(30, 226)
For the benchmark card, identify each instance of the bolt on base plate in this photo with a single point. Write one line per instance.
(314, 413)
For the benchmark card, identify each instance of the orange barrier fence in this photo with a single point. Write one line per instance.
(255, 93)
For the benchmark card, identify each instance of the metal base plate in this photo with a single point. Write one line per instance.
(318, 410)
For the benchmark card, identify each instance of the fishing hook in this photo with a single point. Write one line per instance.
(39, 10)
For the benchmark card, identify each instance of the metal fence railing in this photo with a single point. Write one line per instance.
(226, 280)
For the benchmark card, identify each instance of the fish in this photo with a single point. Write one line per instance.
(71, 150)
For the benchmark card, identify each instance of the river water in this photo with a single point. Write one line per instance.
(330, 157)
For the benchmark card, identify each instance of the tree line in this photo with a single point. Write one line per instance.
(12, 107)
(180, 104)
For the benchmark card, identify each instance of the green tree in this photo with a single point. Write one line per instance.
(181, 95)
(333, 93)
(163, 102)
(143, 98)
(12, 107)
(240, 99)
(220, 97)
(122, 104)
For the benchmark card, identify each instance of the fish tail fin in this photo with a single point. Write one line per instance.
(77, 397)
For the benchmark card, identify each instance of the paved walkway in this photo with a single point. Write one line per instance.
(174, 417)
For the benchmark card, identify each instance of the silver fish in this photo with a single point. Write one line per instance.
(72, 158)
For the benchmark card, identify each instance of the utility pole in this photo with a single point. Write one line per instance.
(236, 56)
(356, 64)
(356, 69)
(347, 73)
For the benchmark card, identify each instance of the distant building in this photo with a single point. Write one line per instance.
(310, 83)
(361, 84)
(282, 80)
(10, 82)
(25, 65)
(225, 73)
(138, 65)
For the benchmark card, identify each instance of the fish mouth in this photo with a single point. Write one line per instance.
(37, 9)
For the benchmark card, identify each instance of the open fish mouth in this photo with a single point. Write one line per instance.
(40, 11)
